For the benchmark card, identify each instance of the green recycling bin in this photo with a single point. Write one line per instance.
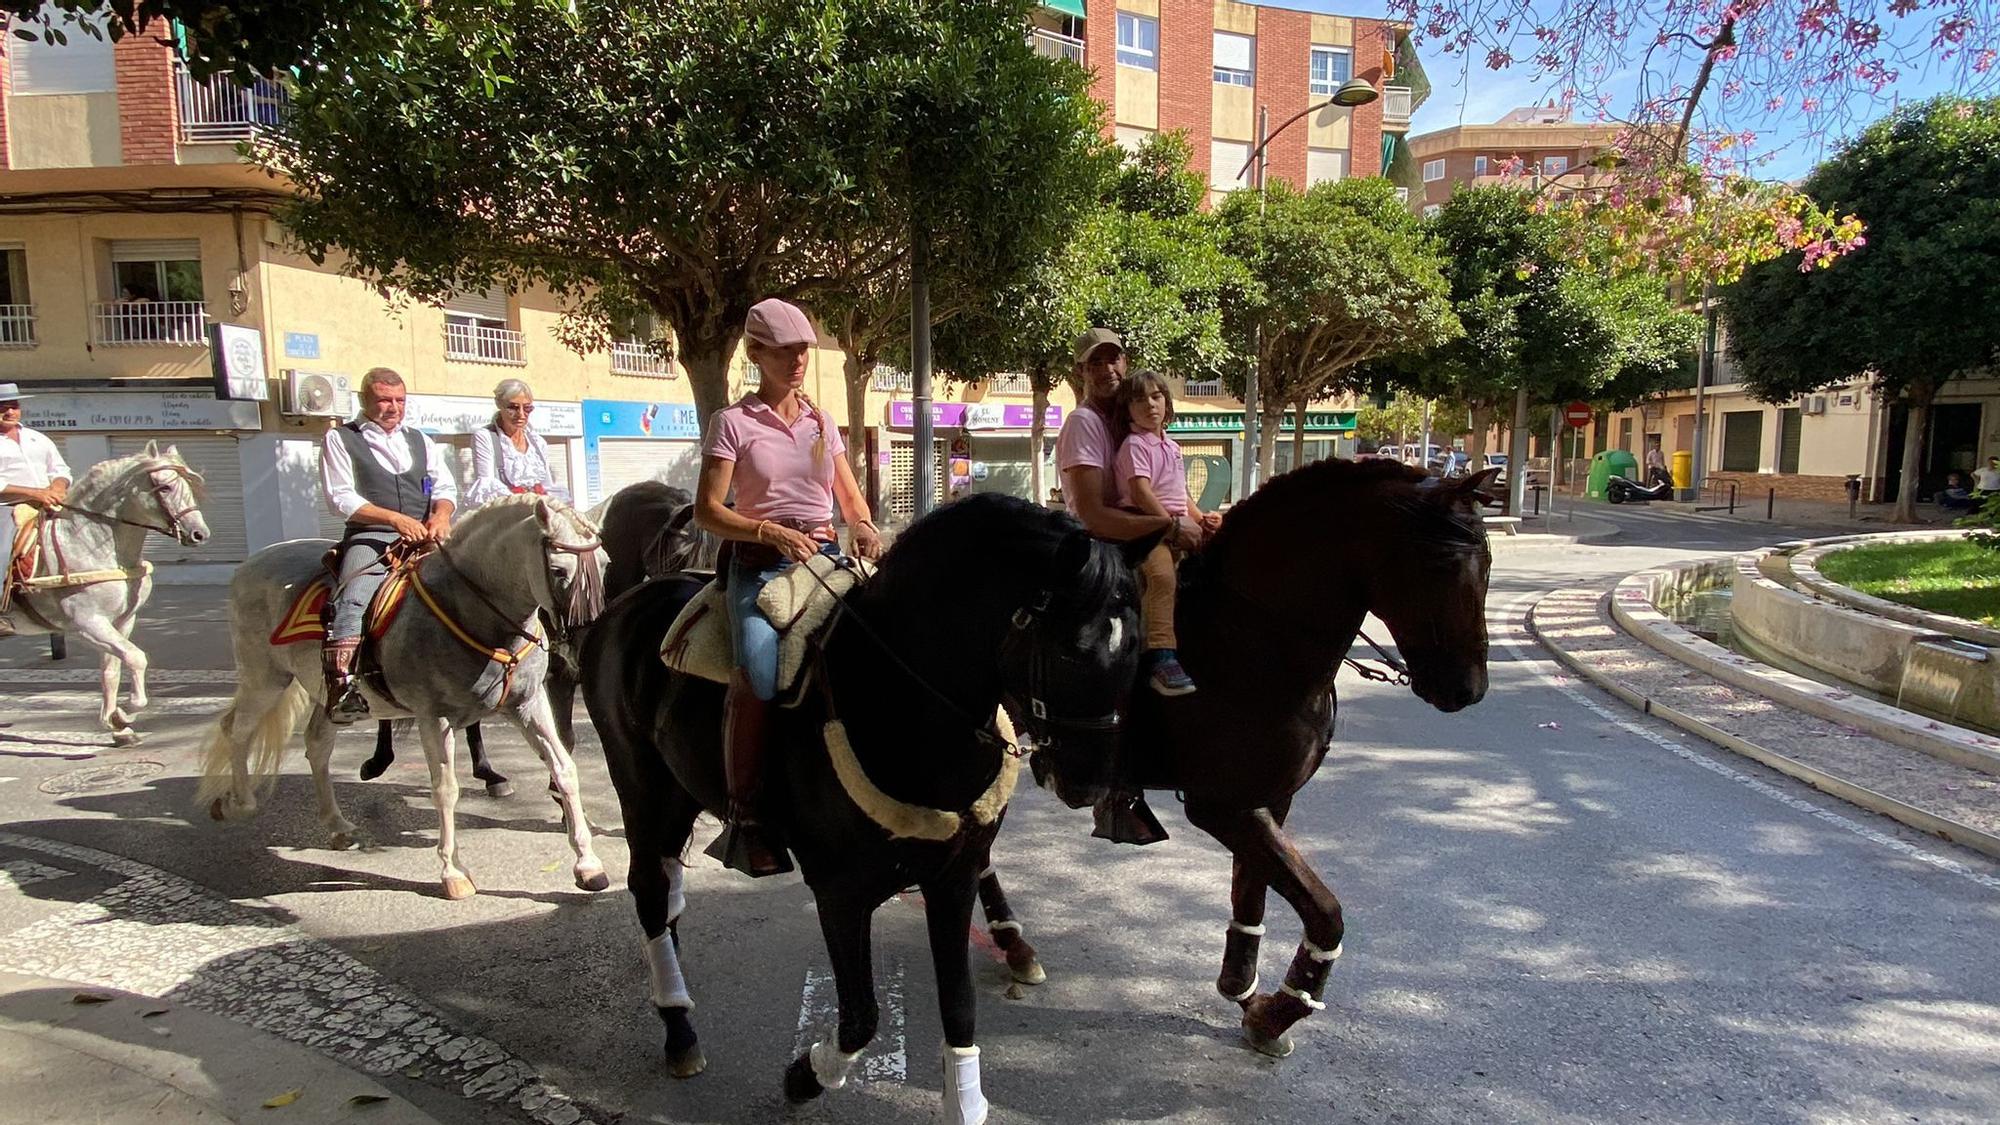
(1607, 464)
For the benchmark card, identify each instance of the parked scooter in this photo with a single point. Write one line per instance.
(1625, 490)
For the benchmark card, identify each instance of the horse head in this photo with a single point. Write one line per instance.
(576, 563)
(1430, 589)
(162, 496)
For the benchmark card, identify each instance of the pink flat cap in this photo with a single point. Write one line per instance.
(779, 324)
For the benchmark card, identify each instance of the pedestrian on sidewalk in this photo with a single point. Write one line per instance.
(1986, 479)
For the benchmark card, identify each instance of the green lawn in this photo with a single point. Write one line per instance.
(1953, 576)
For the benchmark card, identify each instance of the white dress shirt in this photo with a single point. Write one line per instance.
(30, 460)
(392, 452)
(498, 468)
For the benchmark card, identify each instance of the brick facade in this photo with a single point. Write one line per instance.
(6, 87)
(1187, 74)
(1100, 52)
(148, 124)
(1284, 85)
(1789, 486)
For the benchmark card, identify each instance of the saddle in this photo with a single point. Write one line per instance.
(798, 604)
(311, 612)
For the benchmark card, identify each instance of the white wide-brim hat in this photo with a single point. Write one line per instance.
(11, 392)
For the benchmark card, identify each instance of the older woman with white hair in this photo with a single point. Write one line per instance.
(508, 456)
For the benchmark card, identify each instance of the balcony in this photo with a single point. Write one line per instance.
(639, 357)
(1010, 385)
(17, 326)
(1205, 388)
(480, 344)
(222, 109)
(1397, 106)
(172, 324)
(1056, 45)
(888, 378)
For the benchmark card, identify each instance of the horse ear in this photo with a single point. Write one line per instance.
(1474, 489)
(152, 449)
(543, 512)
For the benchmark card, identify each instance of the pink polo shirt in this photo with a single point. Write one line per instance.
(777, 477)
(1085, 442)
(1157, 458)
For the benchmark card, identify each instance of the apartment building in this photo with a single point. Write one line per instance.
(1535, 145)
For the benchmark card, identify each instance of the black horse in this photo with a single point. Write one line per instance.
(646, 532)
(1265, 618)
(1048, 626)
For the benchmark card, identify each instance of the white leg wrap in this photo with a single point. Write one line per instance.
(1009, 924)
(1302, 994)
(986, 874)
(1321, 955)
(1246, 993)
(677, 899)
(663, 967)
(831, 1064)
(964, 1104)
(1254, 931)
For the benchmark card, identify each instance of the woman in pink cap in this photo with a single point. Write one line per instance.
(786, 464)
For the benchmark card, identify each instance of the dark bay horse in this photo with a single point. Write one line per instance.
(1265, 618)
(1041, 617)
(646, 533)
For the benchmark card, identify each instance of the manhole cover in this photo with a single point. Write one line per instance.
(90, 779)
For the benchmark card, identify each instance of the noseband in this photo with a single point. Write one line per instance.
(1025, 629)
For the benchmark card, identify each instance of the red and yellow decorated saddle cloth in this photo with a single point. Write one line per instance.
(305, 621)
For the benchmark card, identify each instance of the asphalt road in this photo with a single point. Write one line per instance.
(1557, 911)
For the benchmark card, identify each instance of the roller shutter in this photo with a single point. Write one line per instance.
(216, 459)
(156, 250)
(629, 460)
(1742, 440)
(489, 305)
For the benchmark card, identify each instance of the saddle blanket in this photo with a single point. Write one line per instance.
(798, 606)
(306, 620)
(29, 572)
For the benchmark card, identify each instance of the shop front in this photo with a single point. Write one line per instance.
(980, 447)
(627, 442)
(1212, 442)
(97, 425)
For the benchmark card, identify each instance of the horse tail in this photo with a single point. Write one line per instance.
(254, 758)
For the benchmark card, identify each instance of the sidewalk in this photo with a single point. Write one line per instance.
(71, 1052)
(1938, 797)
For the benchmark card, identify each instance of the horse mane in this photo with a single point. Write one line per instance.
(568, 517)
(1294, 491)
(99, 479)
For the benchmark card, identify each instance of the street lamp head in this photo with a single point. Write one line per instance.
(1354, 92)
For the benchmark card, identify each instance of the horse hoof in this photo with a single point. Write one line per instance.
(499, 789)
(801, 1084)
(124, 738)
(1028, 970)
(458, 887)
(1277, 1048)
(686, 1064)
(340, 842)
(595, 881)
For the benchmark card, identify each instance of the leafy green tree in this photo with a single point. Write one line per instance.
(681, 156)
(1913, 307)
(1339, 275)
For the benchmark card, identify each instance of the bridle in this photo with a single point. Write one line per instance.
(162, 491)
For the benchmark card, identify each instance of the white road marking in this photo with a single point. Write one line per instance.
(1512, 632)
(886, 1058)
(89, 675)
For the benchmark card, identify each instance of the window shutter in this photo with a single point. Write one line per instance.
(1232, 52)
(81, 66)
(156, 250)
(488, 305)
(1325, 164)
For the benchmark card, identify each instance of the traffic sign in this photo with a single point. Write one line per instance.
(1578, 414)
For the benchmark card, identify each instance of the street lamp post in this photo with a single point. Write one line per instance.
(1352, 93)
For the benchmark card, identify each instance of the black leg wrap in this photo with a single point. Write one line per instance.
(1309, 971)
(1239, 965)
(994, 900)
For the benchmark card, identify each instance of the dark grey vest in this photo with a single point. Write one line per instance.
(403, 492)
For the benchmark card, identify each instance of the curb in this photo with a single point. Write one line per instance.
(1596, 531)
(1805, 568)
(1858, 795)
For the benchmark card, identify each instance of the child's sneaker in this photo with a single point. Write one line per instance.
(1168, 677)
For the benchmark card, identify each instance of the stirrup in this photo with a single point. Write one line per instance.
(743, 846)
(1125, 818)
(347, 707)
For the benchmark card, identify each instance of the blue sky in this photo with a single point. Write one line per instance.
(1464, 91)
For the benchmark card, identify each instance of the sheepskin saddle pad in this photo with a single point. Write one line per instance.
(797, 602)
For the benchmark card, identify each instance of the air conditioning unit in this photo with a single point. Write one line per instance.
(1812, 404)
(316, 394)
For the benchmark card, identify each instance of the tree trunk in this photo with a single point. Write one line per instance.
(858, 370)
(1299, 436)
(707, 363)
(1919, 397)
(1037, 431)
(1267, 439)
(1475, 445)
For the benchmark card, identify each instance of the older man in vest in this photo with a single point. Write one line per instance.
(389, 482)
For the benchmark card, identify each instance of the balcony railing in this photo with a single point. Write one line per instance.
(222, 109)
(481, 344)
(1056, 45)
(638, 357)
(17, 326)
(890, 379)
(1010, 385)
(1205, 388)
(1396, 105)
(182, 324)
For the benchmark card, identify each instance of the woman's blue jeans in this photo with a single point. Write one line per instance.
(751, 634)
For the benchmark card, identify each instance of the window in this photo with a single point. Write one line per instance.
(1138, 41)
(1235, 59)
(82, 65)
(1479, 166)
(1554, 165)
(1742, 440)
(17, 312)
(1431, 209)
(1225, 159)
(1130, 137)
(1331, 66)
(1325, 164)
(475, 328)
(1433, 170)
(156, 294)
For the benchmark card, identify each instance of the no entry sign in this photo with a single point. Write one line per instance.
(1578, 414)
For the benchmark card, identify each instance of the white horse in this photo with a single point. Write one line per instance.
(466, 642)
(93, 576)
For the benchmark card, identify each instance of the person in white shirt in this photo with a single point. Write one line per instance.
(33, 473)
(389, 482)
(508, 456)
(1986, 480)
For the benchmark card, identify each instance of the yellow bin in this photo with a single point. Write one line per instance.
(1683, 468)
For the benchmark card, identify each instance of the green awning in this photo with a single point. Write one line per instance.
(1066, 7)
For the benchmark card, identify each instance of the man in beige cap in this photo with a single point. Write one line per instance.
(1085, 450)
(33, 475)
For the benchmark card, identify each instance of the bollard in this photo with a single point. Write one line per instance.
(1853, 493)
(1771, 505)
(58, 647)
